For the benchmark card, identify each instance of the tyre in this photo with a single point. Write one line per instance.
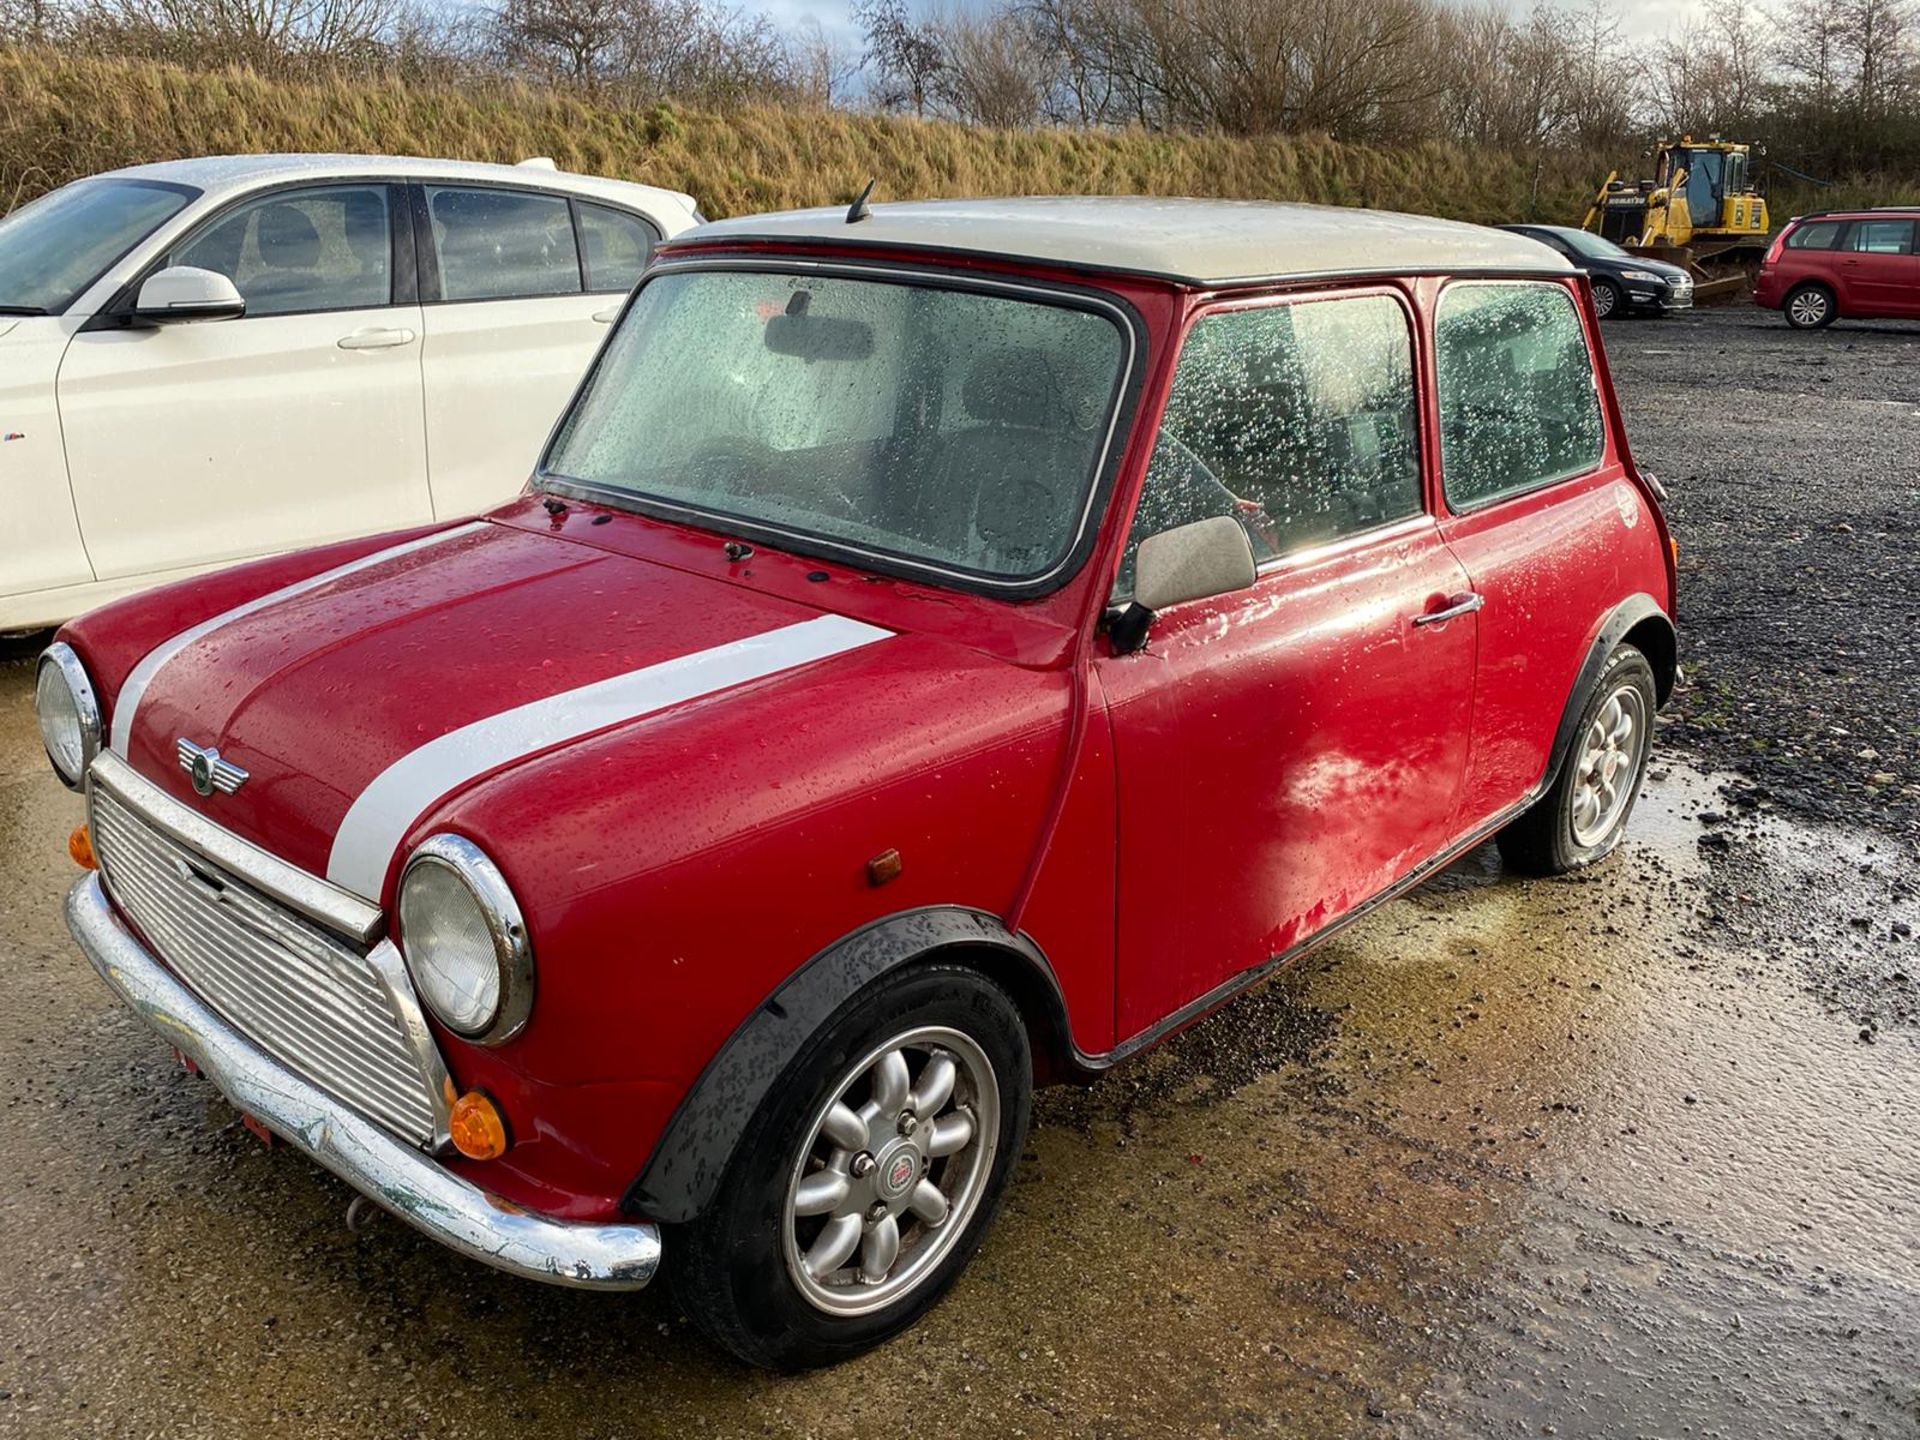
(867, 1177)
(1810, 307)
(1582, 816)
(1607, 299)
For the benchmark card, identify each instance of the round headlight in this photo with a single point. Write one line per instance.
(464, 940)
(69, 715)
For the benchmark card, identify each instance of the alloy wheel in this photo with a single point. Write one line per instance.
(1809, 308)
(893, 1166)
(1608, 762)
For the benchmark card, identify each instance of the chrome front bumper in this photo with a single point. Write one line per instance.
(403, 1180)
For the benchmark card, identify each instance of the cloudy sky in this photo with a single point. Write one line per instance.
(1641, 19)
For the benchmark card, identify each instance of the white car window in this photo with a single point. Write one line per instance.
(300, 251)
(502, 244)
(617, 247)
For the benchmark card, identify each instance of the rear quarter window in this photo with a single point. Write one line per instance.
(1820, 235)
(616, 246)
(1518, 407)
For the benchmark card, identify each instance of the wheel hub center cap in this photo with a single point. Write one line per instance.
(897, 1171)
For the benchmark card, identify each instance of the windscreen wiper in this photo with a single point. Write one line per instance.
(21, 310)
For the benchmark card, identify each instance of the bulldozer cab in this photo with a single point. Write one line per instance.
(1713, 180)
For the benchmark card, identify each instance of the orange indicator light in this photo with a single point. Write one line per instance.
(80, 847)
(476, 1128)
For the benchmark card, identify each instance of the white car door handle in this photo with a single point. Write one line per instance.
(606, 317)
(376, 339)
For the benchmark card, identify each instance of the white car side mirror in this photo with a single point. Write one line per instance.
(181, 293)
(1193, 562)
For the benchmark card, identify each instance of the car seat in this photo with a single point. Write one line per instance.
(288, 247)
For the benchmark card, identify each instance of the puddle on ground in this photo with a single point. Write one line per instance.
(1607, 1155)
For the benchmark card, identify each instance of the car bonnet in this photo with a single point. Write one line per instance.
(355, 701)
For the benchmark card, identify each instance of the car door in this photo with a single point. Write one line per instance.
(1879, 268)
(1538, 505)
(299, 423)
(1289, 751)
(523, 286)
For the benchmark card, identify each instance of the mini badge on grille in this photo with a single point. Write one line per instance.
(207, 770)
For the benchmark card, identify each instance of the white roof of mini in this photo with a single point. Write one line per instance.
(225, 175)
(1205, 242)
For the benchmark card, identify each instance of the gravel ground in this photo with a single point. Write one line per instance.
(1793, 459)
(1631, 1154)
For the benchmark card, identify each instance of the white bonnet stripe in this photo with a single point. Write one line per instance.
(380, 817)
(150, 664)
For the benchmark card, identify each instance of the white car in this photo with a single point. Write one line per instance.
(396, 337)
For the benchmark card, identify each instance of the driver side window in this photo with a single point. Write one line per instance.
(1297, 420)
(302, 251)
(1518, 408)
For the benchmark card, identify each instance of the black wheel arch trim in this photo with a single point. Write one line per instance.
(692, 1154)
(1629, 615)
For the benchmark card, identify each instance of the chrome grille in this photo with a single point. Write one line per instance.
(307, 997)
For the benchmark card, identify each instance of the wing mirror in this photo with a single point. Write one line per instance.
(181, 293)
(1190, 562)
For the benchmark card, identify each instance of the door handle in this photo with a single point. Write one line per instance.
(606, 317)
(376, 339)
(1457, 605)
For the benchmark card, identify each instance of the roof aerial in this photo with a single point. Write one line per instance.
(1202, 242)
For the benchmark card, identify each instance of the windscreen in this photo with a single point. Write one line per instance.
(54, 248)
(1587, 243)
(954, 426)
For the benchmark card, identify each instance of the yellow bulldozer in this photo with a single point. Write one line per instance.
(1700, 210)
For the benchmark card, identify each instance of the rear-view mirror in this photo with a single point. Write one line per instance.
(819, 337)
(182, 293)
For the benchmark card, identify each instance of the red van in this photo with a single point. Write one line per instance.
(1863, 264)
(944, 649)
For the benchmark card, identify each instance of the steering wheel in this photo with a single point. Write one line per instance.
(739, 465)
(730, 463)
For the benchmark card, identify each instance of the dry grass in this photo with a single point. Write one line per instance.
(62, 117)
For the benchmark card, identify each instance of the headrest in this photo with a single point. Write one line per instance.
(364, 216)
(286, 239)
(1017, 386)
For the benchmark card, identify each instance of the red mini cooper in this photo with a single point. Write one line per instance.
(942, 650)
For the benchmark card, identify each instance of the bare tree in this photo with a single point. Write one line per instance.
(906, 54)
(1809, 36)
(265, 34)
(1877, 38)
(822, 66)
(579, 42)
(31, 22)
(1738, 43)
(1599, 108)
(995, 72)
(643, 49)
